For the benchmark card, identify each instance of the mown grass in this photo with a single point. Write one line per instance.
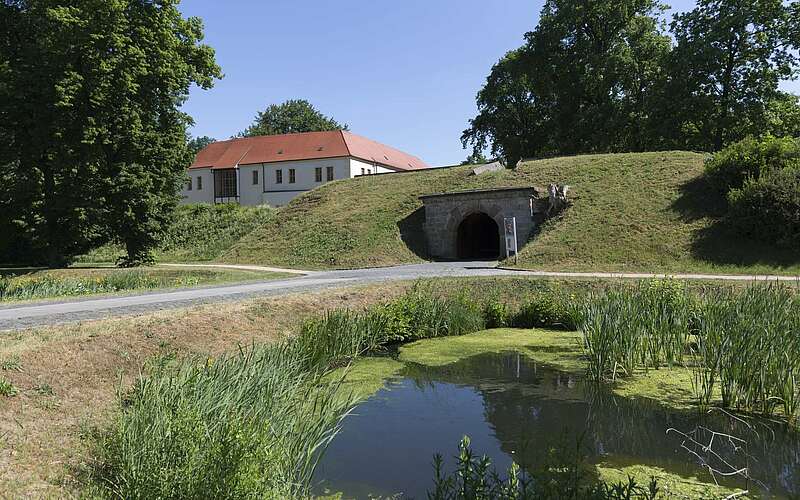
(630, 212)
(41, 284)
(198, 233)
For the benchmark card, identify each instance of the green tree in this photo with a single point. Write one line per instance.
(724, 71)
(292, 116)
(475, 158)
(510, 118)
(197, 144)
(581, 83)
(90, 119)
(783, 115)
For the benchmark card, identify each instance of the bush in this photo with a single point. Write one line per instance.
(547, 309)
(496, 314)
(768, 208)
(204, 231)
(751, 158)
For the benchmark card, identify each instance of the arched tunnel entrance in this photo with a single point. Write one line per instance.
(478, 237)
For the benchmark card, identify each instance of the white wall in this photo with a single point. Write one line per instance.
(357, 165)
(277, 195)
(204, 195)
(267, 191)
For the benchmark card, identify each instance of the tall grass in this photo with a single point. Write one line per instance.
(749, 349)
(247, 425)
(51, 285)
(643, 327)
(254, 424)
(743, 345)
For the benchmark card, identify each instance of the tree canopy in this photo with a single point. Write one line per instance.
(292, 116)
(607, 76)
(197, 144)
(92, 139)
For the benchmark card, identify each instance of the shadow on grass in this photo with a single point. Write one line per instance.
(412, 232)
(719, 242)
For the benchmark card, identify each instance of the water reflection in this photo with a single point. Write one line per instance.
(514, 408)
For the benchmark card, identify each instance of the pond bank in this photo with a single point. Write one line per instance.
(440, 375)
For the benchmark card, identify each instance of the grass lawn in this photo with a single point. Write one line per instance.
(631, 212)
(31, 284)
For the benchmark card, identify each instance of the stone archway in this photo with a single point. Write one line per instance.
(446, 213)
(478, 238)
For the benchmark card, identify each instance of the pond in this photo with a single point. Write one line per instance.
(514, 408)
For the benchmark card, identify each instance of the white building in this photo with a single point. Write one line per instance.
(274, 169)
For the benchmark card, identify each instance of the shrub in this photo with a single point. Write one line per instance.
(768, 208)
(551, 309)
(750, 159)
(496, 314)
(198, 232)
(203, 232)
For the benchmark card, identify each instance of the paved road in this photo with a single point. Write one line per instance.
(55, 312)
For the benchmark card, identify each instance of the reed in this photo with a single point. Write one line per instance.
(249, 424)
(749, 349)
(647, 326)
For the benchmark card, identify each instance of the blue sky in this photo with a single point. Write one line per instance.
(402, 72)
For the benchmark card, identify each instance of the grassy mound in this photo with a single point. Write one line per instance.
(198, 233)
(630, 212)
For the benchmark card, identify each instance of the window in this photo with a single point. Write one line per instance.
(362, 171)
(255, 177)
(199, 183)
(226, 185)
(189, 185)
(279, 177)
(369, 171)
(318, 174)
(330, 173)
(291, 176)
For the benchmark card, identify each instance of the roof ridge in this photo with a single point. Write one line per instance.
(344, 140)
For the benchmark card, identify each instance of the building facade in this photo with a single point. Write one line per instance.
(273, 170)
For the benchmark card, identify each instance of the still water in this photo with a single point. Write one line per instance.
(514, 409)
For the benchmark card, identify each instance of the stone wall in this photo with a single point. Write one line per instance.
(444, 213)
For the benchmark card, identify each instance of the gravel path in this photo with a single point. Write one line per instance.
(61, 311)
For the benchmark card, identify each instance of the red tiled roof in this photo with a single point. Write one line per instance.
(303, 146)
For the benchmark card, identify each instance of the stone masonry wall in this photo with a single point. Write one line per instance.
(445, 212)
